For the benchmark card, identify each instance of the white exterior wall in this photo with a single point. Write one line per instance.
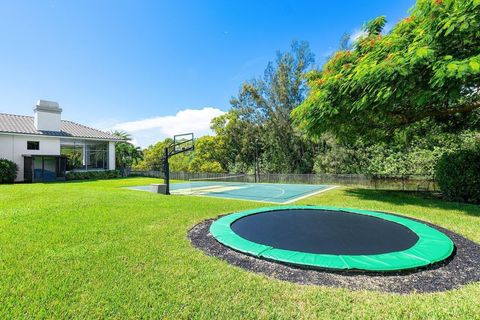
(49, 121)
(13, 147)
(6, 147)
(111, 155)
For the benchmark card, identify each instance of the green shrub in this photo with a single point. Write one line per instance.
(93, 175)
(8, 171)
(458, 175)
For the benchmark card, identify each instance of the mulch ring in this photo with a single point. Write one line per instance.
(461, 268)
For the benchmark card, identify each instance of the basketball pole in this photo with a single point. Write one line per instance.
(257, 174)
(166, 169)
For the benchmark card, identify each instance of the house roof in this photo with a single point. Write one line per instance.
(10, 123)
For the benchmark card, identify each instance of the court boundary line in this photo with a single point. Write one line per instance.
(264, 201)
(260, 201)
(237, 199)
(310, 194)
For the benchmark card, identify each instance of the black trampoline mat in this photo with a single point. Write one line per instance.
(325, 232)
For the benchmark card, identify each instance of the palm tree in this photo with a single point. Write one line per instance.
(126, 154)
(121, 134)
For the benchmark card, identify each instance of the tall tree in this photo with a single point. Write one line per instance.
(260, 117)
(426, 70)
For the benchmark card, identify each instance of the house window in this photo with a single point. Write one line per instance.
(97, 156)
(33, 145)
(74, 154)
(90, 156)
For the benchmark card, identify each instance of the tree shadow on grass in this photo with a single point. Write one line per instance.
(401, 198)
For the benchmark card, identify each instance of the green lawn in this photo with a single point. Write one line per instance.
(94, 250)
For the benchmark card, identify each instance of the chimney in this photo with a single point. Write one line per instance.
(48, 116)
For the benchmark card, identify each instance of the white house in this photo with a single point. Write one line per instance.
(45, 147)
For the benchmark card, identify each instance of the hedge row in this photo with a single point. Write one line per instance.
(93, 175)
(458, 176)
(8, 171)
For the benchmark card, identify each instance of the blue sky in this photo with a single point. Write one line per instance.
(157, 68)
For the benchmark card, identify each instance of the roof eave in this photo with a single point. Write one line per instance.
(62, 137)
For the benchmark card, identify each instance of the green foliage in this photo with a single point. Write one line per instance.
(180, 162)
(415, 151)
(335, 157)
(126, 154)
(93, 175)
(8, 171)
(427, 67)
(236, 137)
(207, 157)
(210, 166)
(375, 26)
(153, 156)
(384, 160)
(259, 120)
(458, 175)
(208, 150)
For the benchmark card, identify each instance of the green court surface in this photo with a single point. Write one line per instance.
(262, 192)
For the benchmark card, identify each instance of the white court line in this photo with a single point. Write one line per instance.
(266, 201)
(276, 188)
(245, 199)
(209, 189)
(310, 194)
(228, 198)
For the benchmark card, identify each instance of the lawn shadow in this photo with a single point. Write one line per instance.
(402, 198)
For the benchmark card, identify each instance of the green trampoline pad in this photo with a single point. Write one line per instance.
(333, 238)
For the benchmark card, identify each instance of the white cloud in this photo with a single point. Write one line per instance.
(149, 131)
(356, 34)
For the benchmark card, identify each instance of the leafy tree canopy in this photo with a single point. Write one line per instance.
(206, 157)
(208, 150)
(259, 121)
(426, 69)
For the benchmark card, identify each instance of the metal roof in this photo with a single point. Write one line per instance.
(10, 123)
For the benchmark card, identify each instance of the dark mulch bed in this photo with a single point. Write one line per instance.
(460, 269)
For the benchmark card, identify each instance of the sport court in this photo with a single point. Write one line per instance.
(261, 192)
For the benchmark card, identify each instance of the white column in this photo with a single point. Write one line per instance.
(84, 155)
(111, 155)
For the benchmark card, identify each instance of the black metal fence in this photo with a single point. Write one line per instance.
(379, 182)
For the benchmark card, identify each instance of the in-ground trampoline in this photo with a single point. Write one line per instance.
(333, 238)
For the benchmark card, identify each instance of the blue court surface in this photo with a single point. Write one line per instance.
(261, 192)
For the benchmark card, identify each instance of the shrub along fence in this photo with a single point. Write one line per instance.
(379, 182)
(458, 175)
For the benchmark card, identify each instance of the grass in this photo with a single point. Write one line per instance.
(95, 250)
